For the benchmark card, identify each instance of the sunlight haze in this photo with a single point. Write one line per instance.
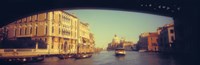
(104, 24)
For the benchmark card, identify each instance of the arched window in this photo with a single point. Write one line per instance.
(36, 30)
(30, 30)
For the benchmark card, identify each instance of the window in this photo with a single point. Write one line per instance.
(52, 29)
(32, 18)
(40, 39)
(45, 39)
(59, 18)
(20, 31)
(61, 46)
(59, 31)
(52, 43)
(15, 32)
(36, 17)
(30, 30)
(171, 31)
(26, 31)
(36, 30)
(46, 30)
(53, 15)
(172, 38)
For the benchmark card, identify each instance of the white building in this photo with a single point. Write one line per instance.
(57, 29)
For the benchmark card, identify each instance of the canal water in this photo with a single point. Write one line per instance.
(108, 58)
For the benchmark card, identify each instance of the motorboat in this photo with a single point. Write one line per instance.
(120, 51)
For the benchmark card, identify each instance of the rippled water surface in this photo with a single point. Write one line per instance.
(108, 58)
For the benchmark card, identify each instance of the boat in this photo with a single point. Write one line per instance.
(66, 56)
(142, 50)
(82, 56)
(120, 51)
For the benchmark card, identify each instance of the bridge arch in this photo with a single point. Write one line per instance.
(22, 8)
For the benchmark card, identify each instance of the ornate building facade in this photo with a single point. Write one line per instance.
(86, 39)
(59, 31)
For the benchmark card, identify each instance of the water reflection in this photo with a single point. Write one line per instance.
(109, 58)
(120, 57)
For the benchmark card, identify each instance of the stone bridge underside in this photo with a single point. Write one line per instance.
(13, 9)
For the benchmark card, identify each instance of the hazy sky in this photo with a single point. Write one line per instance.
(104, 24)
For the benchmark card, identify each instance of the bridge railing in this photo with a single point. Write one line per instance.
(28, 52)
(22, 52)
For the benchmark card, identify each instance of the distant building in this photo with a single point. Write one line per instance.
(148, 41)
(92, 43)
(143, 41)
(152, 42)
(84, 38)
(119, 43)
(109, 47)
(114, 44)
(166, 38)
(135, 47)
(127, 45)
(115, 40)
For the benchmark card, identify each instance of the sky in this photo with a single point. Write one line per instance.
(104, 24)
